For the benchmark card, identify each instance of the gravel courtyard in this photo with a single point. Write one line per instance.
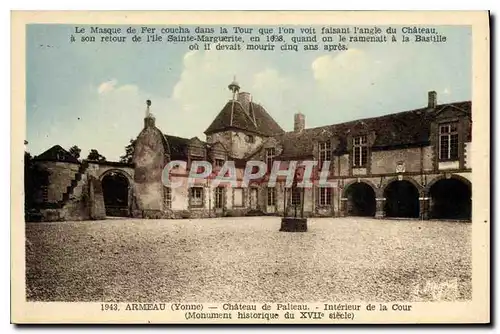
(248, 259)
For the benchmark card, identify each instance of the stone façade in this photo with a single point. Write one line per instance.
(401, 147)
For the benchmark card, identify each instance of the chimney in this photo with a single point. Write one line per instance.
(432, 100)
(244, 98)
(299, 122)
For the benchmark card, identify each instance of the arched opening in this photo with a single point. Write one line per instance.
(401, 200)
(360, 200)
(115, 188)
(450, 199)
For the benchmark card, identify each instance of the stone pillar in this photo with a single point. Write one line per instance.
(343, 207)
(336, 202)
(96, 200)
(380, 210)
(425, 204)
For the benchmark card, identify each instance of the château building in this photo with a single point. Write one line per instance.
(413, 163)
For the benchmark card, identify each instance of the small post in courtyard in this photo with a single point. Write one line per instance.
(294, 224)
(284, 200)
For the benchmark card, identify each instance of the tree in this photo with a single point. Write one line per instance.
(75, 151)
(35, 178)
(95, 156)
(129, 152)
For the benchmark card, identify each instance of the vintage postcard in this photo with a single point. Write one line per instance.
(250, 167)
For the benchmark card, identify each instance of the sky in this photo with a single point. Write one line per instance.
(93, 94)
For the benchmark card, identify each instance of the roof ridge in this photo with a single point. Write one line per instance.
(391, 115)
(173, 136)
(232, 113)
(46, 155)
(250, 106)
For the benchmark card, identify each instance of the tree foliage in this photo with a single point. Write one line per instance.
(129, 152)
(75, 151)
(35, 178)
(94, 155)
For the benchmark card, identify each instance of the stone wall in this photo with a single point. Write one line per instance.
(428, 158)
(468, 155)
(344, 165)
(78, 206)
(86, 200)
(384, 162)
(241, 146)
(237, 142)
(180, 196)
(60, 176)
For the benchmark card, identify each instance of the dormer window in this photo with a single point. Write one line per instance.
(219, 162)
(448, 141)
(200, 169)
(325, 152)
(360, 151)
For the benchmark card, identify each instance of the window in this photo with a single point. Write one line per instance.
(45, 193)
(271, 196)
(270, 155)
(219, 162)
(448, 141)
(167, 197)
(250, 139)
(296, 193)
(200, 169)
(325, 153)
(360, 148)
(219, 198)
(196, 197)
(325, 196)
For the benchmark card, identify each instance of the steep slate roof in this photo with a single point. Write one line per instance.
(408, 128)
(178, 147)
(57, 153)
(234, 116)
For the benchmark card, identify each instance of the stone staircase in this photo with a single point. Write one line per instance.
(74, 182)
(70, 189)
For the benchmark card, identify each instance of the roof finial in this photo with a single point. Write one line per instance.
(149, 120)
(234, 87)
(148, 104)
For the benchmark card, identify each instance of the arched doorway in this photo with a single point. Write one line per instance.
(115, 188)
(360, 200)
(450, 199)
(401, 200)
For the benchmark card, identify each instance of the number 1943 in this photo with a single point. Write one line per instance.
(109, 307)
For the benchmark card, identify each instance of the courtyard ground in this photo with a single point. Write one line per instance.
(248, 259)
